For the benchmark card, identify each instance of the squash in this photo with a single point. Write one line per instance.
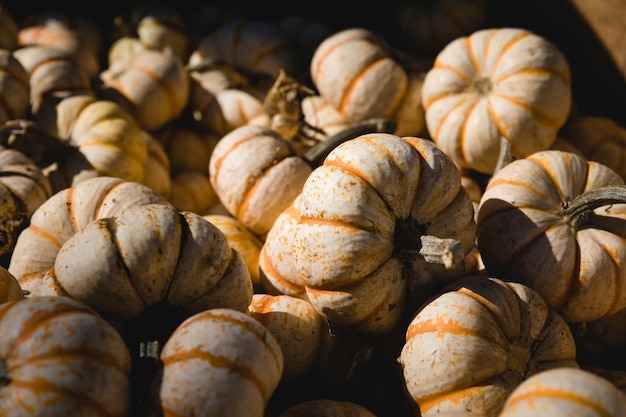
(600, 139)
(218, 362)
(470, 345)
(256, 192)
(565, 391)
(60, 358)
(359, 74)
(555, 222)
(77, 36)
(23, 188)
(14, 88)
(320, 359)
(53, 74)
(251, 46)
(192, 191)
(383, 223)
(63, 214)
(152, 85)
(327, 408)
(492, 85)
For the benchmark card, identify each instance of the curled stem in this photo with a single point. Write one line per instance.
(578, 210)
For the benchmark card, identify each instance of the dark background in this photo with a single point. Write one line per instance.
(599, 86)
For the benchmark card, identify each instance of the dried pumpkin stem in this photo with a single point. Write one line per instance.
(580, 208)
(447, 252)
(504, 157)
(316, 155)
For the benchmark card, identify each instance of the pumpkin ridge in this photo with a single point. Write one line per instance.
(41, 318)
(335, 223)
(269, 267)
(617, 291)
(469, 46)
(507, 47)
(41, 384)
(489, 306)
(220, 361)
(460, 102)
(450, 326)
(40, 233)
(463, 141)
(555, 393)
(524, 184)
(358, 79)
(541, 117)
(430, 401)
(253, 184)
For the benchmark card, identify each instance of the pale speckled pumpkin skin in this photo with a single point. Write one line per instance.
(257, 191)
(177, 260)
(495, 83)
(219, 362)
(471, 345)
(60, 358)
(65, 213)
(349, 237)
(565, 392)
(522, 236)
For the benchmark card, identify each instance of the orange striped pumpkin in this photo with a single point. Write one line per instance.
(492, 85)
(565, 392)
(219, 362)
(150, 84)
(546, 222)
(60, 358)
(468, 347)
(62, 215)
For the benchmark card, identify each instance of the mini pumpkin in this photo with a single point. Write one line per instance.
(382, 223)
(554, 221)
(60, 358)
(219, 362)
(471, 345)
(565, 391)
(492, 85)
(14, 88)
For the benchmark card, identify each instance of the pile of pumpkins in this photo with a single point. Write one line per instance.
(230, 216)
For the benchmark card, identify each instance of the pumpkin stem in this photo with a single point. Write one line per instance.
(578, 210)
(316, 155)
(448, 252)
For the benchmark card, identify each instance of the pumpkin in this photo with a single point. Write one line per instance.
(358, 73)
(192, 191)
(152, 85)
(257, 191)
(9, 287)
(252, 46)
(430, 26)
(162, 27)
(470, 345)
(23, 188)
(600, 139)
(60, 358)
(14, 88)
(168, 261)
(546, 222)
(242, 240)
(327, 408)
(64, 213)
(53, 74)
(493, 85)
(101, 139)
(383, 222)
(324, 117)
(188, 146)
(218, 362)
(319, 358)
(79, 37)
(565, 391)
